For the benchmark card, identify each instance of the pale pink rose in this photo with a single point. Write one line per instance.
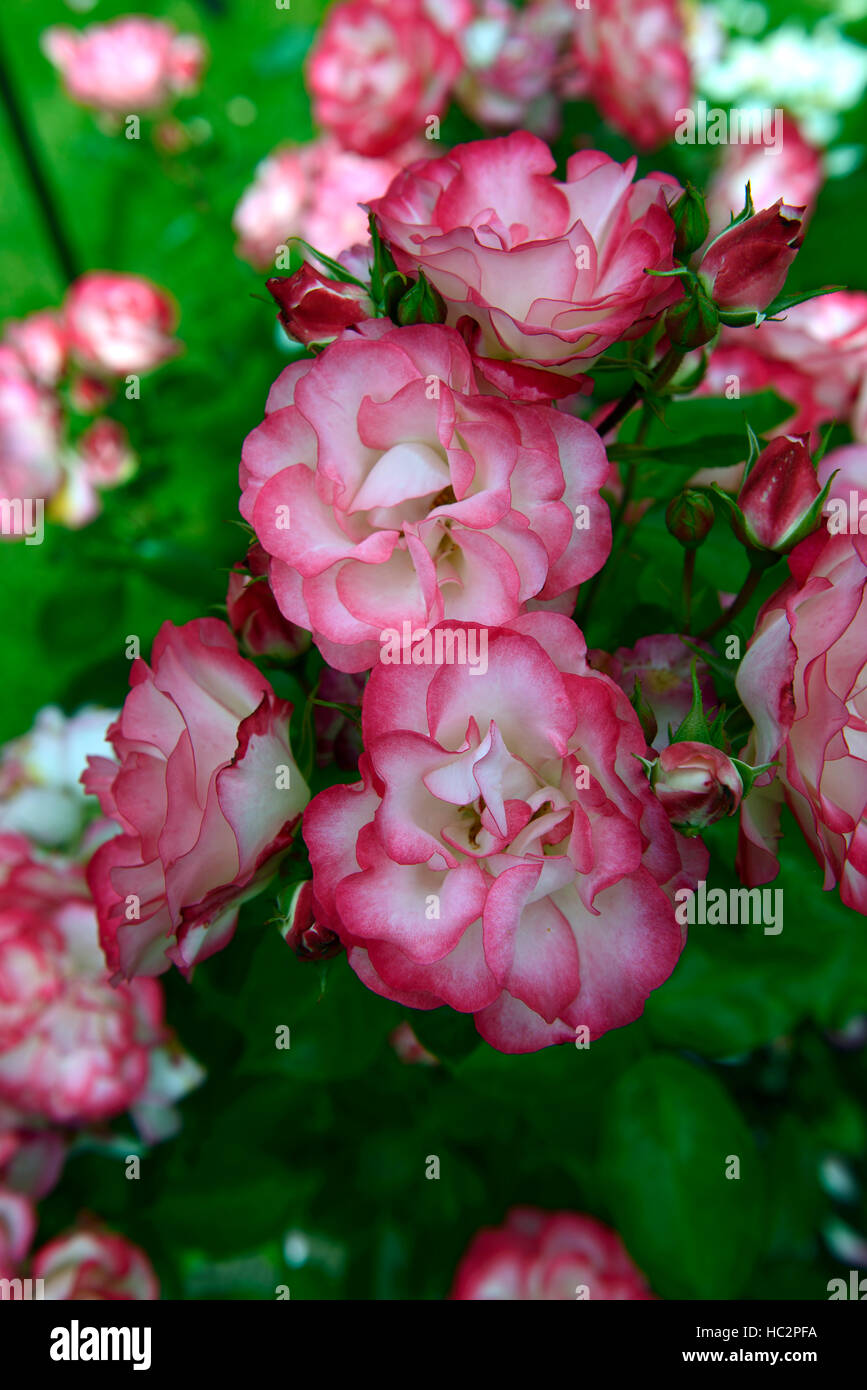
(119, 324)
(311, 191)
(206, 793)
(802, 681)
(793, 172)
(541, 1255)
(30, 433)
(91, 1263)
(42, 344)
(377, 71)
(662, 663)
(503, 854)
(535, 272)
(73, 1049)
(387, 491)
(40, 793)
(630, 60)
(133, 64)
(815, 356)
(511, 58)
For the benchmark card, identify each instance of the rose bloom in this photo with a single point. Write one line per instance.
(510, 62)
(541, 1255)
(133, 64)
(119, 324)
(815, 356)
(631, 61)
(206, 793)
(29, 433)
(91, 1263)
(40, 340)
(387, 490)
(377, 71)
(311, 191)
(40, 794)
(535, 272)
(794, 173)
(73, 1049)
(663, 665)
(802, 681)
(503, 853)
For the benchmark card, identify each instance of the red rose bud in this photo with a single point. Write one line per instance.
(314, 309)
(302, 933)
(746, 267)
(697, 785)
(689, 517)
(781, 499)
(253, 613)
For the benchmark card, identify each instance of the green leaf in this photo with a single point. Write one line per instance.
(670, 1133)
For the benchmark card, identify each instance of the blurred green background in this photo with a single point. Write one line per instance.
(307, 1167)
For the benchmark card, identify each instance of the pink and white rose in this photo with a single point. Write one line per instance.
(378, 70)
(119, 324)
(206, 793)
(387, 490)
(814, 356)
(92, 1263)
(503, 854)
(536, 273)
(315, 192)
(540, 1255)
(133, 64)
(630, 60)
(73, 1049)
(802, 681)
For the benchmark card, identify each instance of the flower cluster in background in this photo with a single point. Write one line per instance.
(59, 371)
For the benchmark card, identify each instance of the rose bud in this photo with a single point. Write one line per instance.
(697, 785)
(690, 217)
(253, 613)
(302, 933)
(314, 309)
(781, 499)
(689, 517)
(746, 267)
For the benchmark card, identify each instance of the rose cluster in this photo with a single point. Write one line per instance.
(59, 370)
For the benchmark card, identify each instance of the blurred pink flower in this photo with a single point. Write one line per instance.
(130, 65)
